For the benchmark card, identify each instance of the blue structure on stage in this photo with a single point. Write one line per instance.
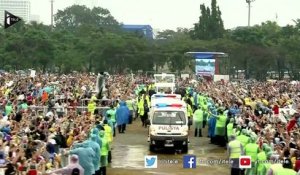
(145, 30)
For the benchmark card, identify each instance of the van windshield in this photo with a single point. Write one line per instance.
(169, 118)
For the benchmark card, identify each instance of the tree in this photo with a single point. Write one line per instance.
(210, 25)
(73, 17)
(91, 40)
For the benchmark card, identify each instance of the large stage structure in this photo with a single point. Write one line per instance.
(214, 65)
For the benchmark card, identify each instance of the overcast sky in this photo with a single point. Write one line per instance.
(170, 14)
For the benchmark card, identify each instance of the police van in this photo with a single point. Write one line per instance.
(168, 122)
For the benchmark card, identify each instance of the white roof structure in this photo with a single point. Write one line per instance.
(163, 81)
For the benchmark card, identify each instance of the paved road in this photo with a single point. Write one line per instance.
(130, 148)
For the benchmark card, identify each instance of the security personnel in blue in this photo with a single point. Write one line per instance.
(235, 150)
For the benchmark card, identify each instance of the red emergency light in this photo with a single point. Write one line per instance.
(176, 105)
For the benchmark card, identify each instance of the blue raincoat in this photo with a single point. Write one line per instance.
(6, 130)
(91, 143)
(234, 110)
(195, 96)
(191, 91)
(95, 131)
(86, 159)
(122, 114)
(212, 123)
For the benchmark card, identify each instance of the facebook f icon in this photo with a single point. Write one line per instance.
(189, 161)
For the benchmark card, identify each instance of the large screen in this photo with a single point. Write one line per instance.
(205, 67)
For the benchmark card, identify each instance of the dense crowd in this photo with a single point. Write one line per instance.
(58, 124)
(257, 119)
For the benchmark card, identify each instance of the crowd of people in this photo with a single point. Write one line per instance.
(57, 125)
(256, 119)
(54, 124)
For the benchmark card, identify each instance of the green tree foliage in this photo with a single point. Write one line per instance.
(75, 16)
(210, 25)
(92, 40)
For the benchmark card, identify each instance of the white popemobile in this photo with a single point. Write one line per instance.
(168, 122)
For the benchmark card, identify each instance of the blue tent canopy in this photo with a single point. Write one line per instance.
(205, 55)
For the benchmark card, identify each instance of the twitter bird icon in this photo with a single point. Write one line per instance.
(150, 161)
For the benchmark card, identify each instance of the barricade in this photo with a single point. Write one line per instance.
(43, 110)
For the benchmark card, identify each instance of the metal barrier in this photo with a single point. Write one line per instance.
(43, 110)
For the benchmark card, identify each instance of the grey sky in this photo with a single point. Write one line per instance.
(170, 14)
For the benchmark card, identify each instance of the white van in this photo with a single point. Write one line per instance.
(168, 124)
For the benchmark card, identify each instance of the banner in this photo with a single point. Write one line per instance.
(32, 73)
(205, 67)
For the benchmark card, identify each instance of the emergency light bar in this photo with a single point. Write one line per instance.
(163, 105)
(164, 95)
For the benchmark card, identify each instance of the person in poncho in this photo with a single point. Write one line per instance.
(86, 158)
(122, 116)
(212, 124)
(104, 152)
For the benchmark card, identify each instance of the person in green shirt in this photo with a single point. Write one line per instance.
(24, 105)
(229, 128)
(104, 152)
(8, 108)
(243, 138)
(220, 128)
(205, 113)
(252, 149)
(198, 119)
(112, 113)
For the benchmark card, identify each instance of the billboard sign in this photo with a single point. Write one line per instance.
(205, 67)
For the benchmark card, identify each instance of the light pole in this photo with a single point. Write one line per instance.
(52, 1)
(249, 10)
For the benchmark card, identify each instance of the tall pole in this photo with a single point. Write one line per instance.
(52, 13)
(249, 13)
(249, 10)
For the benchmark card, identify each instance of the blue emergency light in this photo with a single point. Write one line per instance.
(163, 105)
(165, 96)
